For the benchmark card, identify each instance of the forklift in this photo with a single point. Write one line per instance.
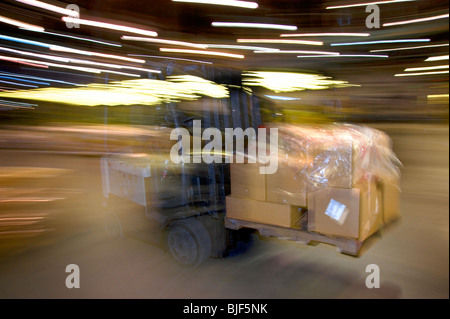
(180, 207)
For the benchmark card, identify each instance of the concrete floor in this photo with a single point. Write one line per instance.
(413, 254)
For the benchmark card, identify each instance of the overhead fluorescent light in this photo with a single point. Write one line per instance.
(344, 56)
(90, 53)
(163, 41)
(280, 41)
(36, 55)
(342, 34)
(412, 48)
(110, 26)
(81, 38)
(282, 98)
(203, 52)
(427, 68)
(232, 3)
(422, 73)
(240, 47)
(300, 52)
(20, 24)
(49, 7)
(19, 84)
(381, 42)
(437, 58)
(254, 25)
(170, 58)
(441, 16)
(366, 4)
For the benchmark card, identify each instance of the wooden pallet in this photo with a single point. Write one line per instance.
(348, 246)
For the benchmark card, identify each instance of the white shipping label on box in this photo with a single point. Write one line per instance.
(337, 211)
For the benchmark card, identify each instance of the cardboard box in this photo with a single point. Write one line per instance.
(247, 182)
(371, 208)
(391, 199)
(334, 211)
(354, 213)
(263, 212)
(286, 186)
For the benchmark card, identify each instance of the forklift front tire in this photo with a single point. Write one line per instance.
(189, 242)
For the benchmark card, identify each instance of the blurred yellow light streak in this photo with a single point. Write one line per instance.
(214, 53)
(130, 92)
(437, 96)
(110, 26)
(442, 16)
(437, 58)
(342, 34)
(280, 41)
(232, 3)
(289, 82)
(240, 47)
(254, 25)
(411, 48)
(421, 73)
(49, 7)
(366, 4)
(163, 41)
(20, 24)
(426, 68)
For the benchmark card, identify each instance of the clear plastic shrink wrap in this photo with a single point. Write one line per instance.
(335, 155)
(346, 175)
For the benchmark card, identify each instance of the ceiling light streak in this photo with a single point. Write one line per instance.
(20, 24)
(442, 16)
(27, 81)
(412, 48)
(163, 41)
(22, 61)
(240, 47)
(110, 26)
(280, 41)
(344, 56)
(254, 25)
(170, 58)
(42, 56)
(49, 7)
(426, 68)
(380, 42)
(81, 38)
(437, 58)
(90, 53)
(232, 3)
(422, 73)
(366, 4)
(19, 84)
(37, 78)
(325, 35)
(214, 53)
(300, 52)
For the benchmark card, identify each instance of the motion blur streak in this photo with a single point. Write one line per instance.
(289, 82)
(142, 91)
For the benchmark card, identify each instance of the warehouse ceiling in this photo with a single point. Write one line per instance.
(315, 50)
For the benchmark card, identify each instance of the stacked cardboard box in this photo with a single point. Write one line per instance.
(345, 177)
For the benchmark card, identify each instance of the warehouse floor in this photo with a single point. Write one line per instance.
(412, 254)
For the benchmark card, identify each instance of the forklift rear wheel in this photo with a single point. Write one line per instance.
(113, 226)
(189, 242)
